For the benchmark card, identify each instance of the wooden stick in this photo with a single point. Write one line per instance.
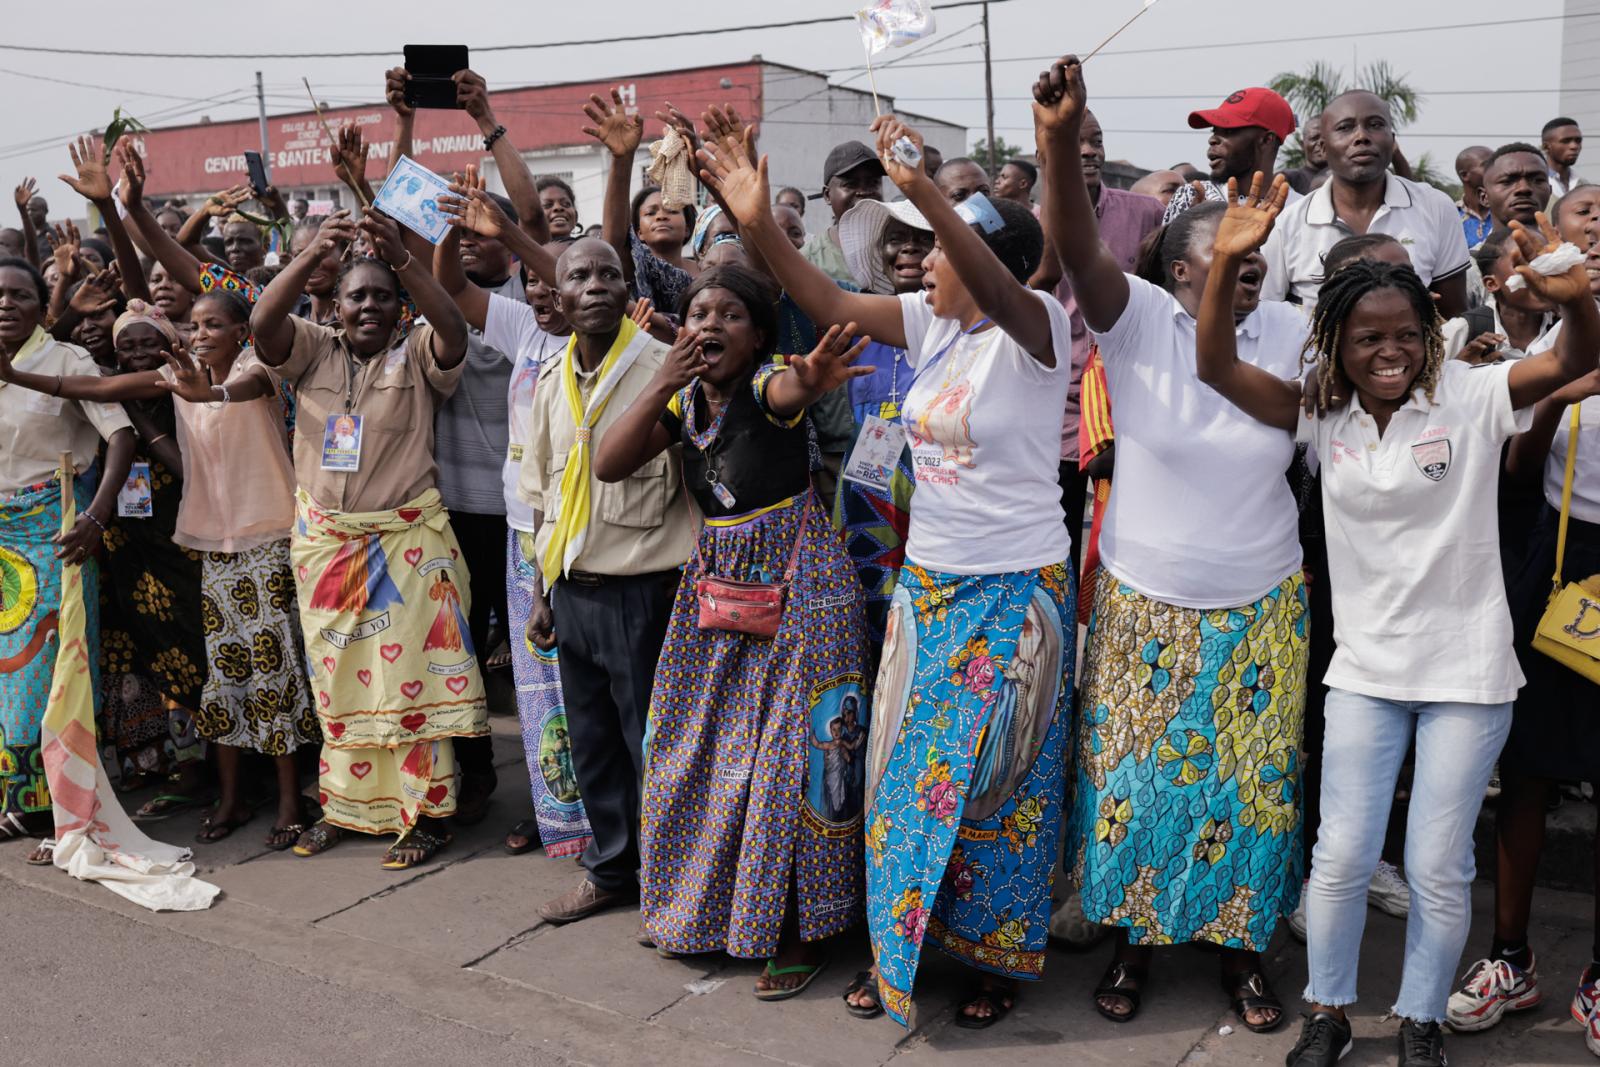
(872, 77)
(1115, 34)
(334, 141)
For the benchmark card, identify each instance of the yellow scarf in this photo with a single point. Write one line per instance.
(572, 524)
(30, 348)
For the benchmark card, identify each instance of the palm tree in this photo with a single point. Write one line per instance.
(1311, 91)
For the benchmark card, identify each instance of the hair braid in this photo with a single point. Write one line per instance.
(1338, 297)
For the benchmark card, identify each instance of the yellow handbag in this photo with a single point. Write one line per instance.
(1569, 631)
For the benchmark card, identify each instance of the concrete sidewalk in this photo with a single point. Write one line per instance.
(334, 960)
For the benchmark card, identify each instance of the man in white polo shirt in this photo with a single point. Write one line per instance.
(1363, 197)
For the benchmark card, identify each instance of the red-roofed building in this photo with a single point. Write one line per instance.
(801, 117)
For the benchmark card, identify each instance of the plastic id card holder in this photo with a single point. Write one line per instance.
(341, 443)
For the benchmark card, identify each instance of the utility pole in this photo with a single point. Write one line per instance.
(261, 112)
(988, 92)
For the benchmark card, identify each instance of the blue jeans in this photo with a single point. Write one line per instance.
(1366, 742)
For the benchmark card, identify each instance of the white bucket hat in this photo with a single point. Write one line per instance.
(861, 239)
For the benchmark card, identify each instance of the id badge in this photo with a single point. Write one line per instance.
(133, 499)
(877, 453)
(516, 453)
(341, 443)
(722, 494)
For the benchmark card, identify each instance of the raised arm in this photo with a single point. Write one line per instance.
(192, 382)
(1098, 283)
(93, 183)
(638, 437)
(1004, 300)
(70, 266)
(434, 304)
(181, 264)
(97, 294)
(473, 300)
(620, 133)
(269, 318)
(742, 185)
(1241, 232)
(350, 162)
(811, 377)
(405, 124)
(216, 206)
(25, 192)
(470, 207)
(472, 93)
(1577, 347)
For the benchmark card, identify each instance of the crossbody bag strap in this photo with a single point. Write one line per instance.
(800, 534)
(1566, 498)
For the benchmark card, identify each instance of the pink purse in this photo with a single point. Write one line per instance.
(754, 608)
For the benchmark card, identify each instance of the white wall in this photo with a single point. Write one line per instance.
(1580, 70)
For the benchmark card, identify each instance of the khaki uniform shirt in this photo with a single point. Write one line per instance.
(35, 428)
(396, 394)
(640, 525)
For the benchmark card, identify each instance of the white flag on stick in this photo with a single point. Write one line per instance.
(889, 24)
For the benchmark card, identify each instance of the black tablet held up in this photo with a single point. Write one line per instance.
(430, 67)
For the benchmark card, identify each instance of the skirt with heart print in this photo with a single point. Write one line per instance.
(383, 601)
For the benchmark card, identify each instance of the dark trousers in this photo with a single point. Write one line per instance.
(483, 549)
(609, 638)
(1074, 488)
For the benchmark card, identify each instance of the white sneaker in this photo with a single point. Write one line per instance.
(1070, 926)
(1297, 918)
(1388, 891)
(1492, 988)
(1591, 1032)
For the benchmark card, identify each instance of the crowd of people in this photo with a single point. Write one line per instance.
(780, 536)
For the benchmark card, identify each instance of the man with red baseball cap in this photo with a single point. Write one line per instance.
(1247, 129)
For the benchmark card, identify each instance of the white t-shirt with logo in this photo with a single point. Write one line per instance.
(983, 420)
(511, 327)
(1586, 473)
(1201, 514)
(1419, 607)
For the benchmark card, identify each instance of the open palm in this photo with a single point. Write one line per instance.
(613, 127)
(89, 160)
(832, 362)
(1556, 288)
(741, 185)
(1245, 225)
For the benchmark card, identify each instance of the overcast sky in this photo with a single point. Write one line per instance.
(1141, 98)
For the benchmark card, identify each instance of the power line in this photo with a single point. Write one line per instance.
(1318, 37)
(390, 52)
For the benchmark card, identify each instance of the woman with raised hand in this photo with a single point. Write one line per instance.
(964, 773)
(383, 593)
(647, 236)
(1410, 472)
(235, 512)
(35, 431)
(751, 814)
(1185, 822)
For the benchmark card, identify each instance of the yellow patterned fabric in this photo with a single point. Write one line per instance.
(1185, 825)
(383, 604)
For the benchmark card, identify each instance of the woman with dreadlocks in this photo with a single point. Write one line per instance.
(1185, 822)
(1410, 445)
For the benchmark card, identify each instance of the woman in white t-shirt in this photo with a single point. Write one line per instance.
(533, 334)
(1185, 823)
(964, 765)
(1410, 474)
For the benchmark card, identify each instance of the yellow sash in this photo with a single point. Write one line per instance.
(572, 523)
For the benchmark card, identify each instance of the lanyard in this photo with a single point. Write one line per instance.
(937, 356)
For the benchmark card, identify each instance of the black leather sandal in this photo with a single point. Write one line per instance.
(1247, 992)
(1125, 981)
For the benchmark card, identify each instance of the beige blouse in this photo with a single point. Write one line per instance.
(35, 428)
(238, 485)
(396, 394)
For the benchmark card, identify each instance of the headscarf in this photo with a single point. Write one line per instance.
(149, 314)
(697, 241)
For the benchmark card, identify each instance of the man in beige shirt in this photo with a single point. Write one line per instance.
(609, 602)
